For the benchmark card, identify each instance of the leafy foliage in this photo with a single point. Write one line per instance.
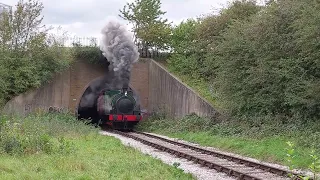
(184, 47)
(194, 39)
(314, 165)
(261, 61)
(29, 55)
(265, 69)
(148, 26)
(92, 54)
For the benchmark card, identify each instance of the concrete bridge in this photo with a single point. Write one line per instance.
(158, 90)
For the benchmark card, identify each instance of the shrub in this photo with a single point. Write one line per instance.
(268, 66)
(260, 62)
(193, 39)
(29, 55)
(92, 54)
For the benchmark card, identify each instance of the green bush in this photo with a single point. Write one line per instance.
(194, 39)
(29, 55)
(186, 55)
(92, 54)
(262, 62)
(269, 65)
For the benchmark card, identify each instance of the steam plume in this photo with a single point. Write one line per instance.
(117, 46)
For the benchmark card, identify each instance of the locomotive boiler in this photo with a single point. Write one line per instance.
(119, 108)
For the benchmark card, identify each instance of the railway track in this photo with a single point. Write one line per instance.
(233, 166)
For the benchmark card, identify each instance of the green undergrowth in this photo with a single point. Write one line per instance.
(57, 146)
(91, 54)
(264, 141)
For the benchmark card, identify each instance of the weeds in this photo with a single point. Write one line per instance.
(191, 123)
(65, 146)
(40, 133)
(314, 166)
(91, 53)
(290, 157)
(176, 164)
(58, 146)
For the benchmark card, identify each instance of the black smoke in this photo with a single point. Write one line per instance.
(118, 49)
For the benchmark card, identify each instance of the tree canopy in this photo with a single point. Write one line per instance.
(260, 61)
(149, 27)
(29, 55)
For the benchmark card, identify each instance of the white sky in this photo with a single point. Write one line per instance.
(87, 17)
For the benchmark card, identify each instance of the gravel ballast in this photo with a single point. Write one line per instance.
(189, 166)
(237, 155)
(201, 173)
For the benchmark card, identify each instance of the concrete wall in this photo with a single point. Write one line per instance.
(66, 89)
(53, 94)
(170, 95)
(157, 88)
(140, 81)
(81, 74)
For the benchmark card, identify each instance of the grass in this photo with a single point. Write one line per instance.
(266, 142)
(52, 146)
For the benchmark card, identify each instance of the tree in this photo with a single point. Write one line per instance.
(29, 56)
(23, 25)
(148, 26)
(194, 41)
(184, 48)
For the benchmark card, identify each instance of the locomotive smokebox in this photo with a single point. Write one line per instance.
(125, 105)
(123, 101)
(119, 108)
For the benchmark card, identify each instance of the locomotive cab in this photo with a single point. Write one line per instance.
(118, 108)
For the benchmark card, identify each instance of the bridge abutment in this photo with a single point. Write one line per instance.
(158, 90)
(65, 89)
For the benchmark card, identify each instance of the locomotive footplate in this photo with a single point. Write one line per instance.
(123, 121)
(123, 117)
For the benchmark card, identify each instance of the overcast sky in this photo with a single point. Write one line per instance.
(87, 17)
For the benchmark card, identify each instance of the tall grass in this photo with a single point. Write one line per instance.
(58, 146)
(40, 133)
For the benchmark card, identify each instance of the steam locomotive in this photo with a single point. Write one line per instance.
(119, 108)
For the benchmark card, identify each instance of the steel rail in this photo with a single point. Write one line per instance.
(205, 162)
(264, 167)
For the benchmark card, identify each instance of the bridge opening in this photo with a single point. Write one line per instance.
(87, 106)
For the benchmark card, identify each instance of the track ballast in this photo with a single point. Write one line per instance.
(231, 165)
